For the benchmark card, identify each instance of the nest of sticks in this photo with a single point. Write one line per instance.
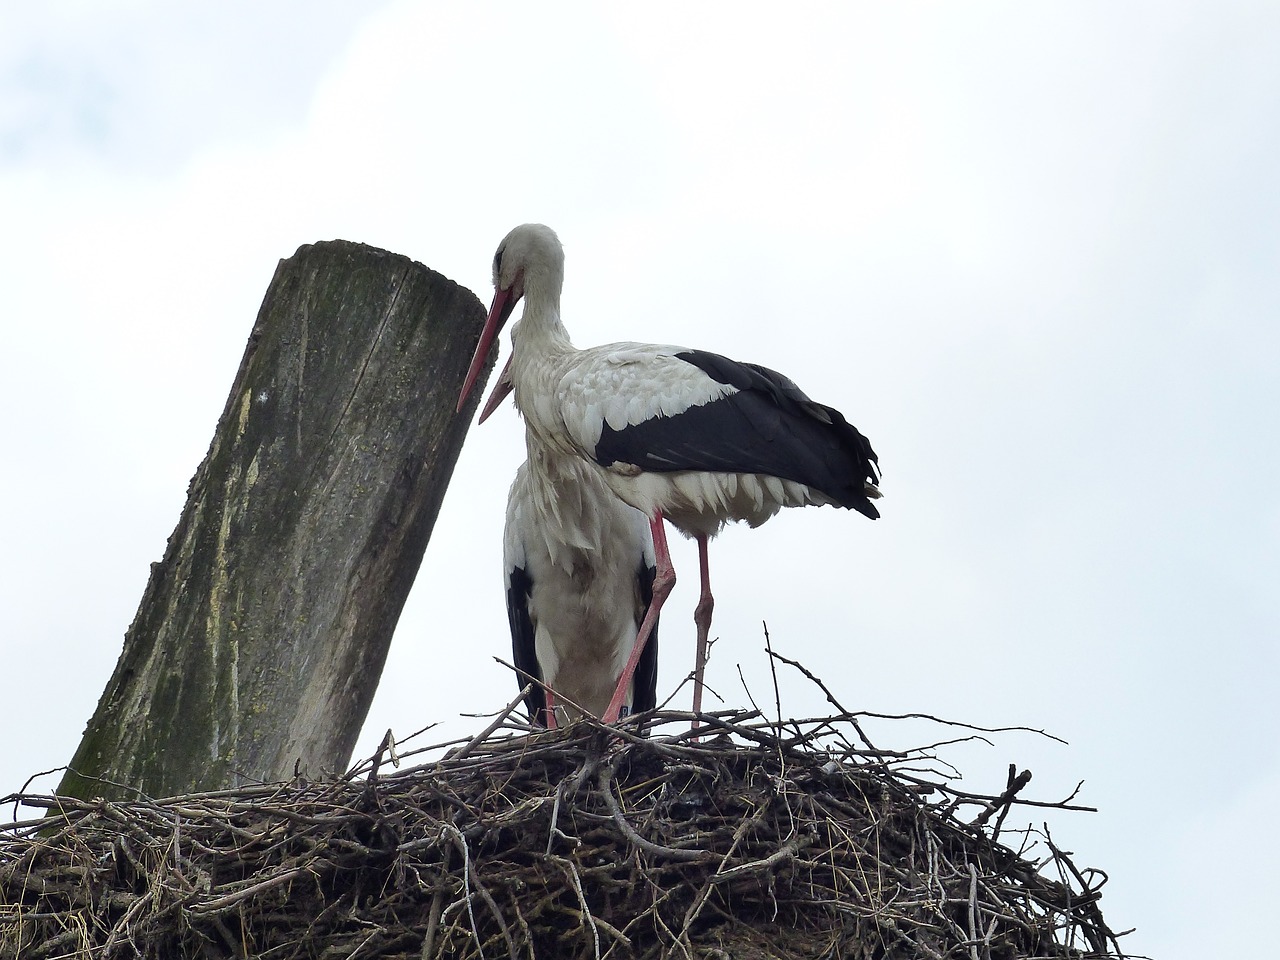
(750, 838)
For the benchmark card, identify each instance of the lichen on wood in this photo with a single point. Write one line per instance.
(261, 635)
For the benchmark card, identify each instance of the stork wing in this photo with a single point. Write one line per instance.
(523, 649)
(644, 682)
(519, 589)
(715, 414)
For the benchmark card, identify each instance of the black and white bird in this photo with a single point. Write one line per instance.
(579, 576)
(685, 435)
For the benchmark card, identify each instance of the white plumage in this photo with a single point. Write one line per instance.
(683, 434)
(579, 570)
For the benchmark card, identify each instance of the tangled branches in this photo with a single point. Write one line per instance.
(758, 839)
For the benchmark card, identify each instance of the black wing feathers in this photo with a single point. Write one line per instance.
(523, 649)
(644, 684)
(769, 426)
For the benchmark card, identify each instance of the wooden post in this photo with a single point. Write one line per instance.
(261, 636)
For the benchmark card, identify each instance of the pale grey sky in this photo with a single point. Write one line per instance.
(1030, 250)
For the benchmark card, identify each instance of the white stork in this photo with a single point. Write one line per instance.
(685, 435)
(579, 576)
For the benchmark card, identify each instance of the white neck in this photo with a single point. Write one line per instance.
(541, 351)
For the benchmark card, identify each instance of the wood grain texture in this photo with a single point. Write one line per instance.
(261, 636)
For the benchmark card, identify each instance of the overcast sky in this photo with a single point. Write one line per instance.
(1030, 250)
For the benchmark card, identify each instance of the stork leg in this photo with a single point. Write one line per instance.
(549, 713)
(664, 579)
(702, 618)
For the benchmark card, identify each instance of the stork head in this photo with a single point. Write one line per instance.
(529, 254)
(529, 263)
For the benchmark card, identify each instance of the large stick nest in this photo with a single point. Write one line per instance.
(760, 839)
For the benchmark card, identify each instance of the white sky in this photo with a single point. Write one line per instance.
(1030, 250)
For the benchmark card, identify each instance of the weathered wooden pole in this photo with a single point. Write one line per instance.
(261, 636)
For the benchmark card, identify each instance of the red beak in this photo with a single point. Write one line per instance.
(501, 389)
(503, 304)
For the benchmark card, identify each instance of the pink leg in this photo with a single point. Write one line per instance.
(549, 714)
(664, 580)
(702, 617)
